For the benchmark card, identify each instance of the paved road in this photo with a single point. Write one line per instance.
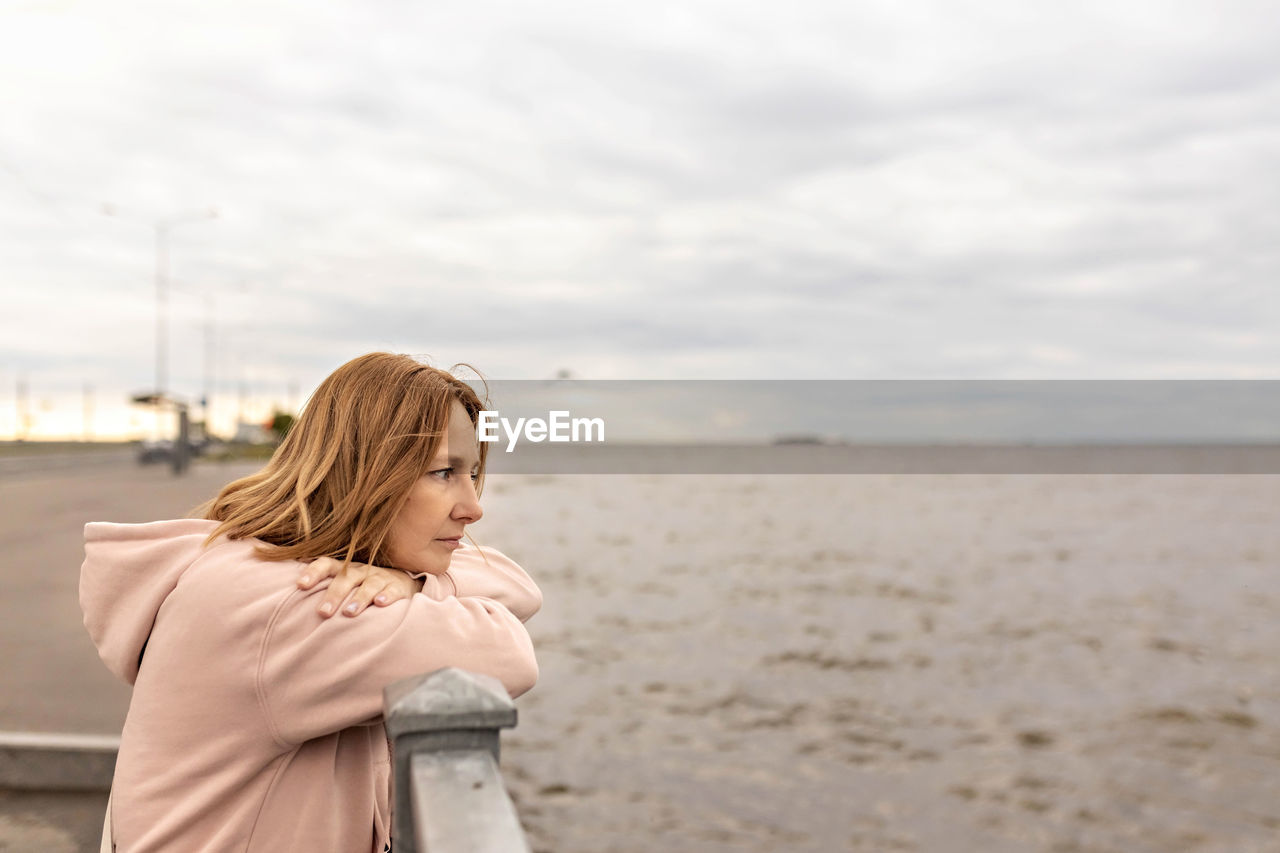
(37, 464)
(51, 678)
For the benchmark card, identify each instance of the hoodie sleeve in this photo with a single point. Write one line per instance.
(316, 676)
(489, 573)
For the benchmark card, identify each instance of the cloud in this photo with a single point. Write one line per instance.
(697, 189)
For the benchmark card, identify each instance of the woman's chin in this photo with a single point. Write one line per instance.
(432, 565)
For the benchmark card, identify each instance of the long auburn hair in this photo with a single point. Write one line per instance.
(336, 483)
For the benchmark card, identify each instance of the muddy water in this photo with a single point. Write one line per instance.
(940, 663)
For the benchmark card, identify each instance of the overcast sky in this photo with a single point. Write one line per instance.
(663, 190)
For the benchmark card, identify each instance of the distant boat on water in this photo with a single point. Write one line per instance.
(799, 439)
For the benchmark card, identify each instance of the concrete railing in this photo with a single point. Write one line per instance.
(36, 761)
(448, 792)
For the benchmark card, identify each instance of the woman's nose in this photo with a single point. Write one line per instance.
(468, 508)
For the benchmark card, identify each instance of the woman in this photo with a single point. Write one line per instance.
(255, 722)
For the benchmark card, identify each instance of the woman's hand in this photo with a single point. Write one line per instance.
(356, 586)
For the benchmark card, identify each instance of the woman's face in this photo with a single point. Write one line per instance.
(441, 504)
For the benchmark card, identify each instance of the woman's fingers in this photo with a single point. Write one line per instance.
(317, 570)
(399, 586)
(357, 586)
(341, 587)
(362, 595)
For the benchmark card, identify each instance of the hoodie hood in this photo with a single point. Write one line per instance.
(128, 572)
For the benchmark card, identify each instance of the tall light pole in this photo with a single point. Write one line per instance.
(23, 425)
(210, 359)
(210, 328)
(87, 402)
(162, 229)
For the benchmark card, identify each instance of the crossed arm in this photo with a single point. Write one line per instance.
(317, 676)
(472, 572)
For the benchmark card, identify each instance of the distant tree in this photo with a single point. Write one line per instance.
(280, 424)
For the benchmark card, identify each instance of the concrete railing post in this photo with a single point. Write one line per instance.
(448, 793)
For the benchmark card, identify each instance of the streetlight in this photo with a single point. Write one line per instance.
(162, 228)
(181, 447)
(210, 349)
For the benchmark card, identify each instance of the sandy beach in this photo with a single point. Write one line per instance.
(824, 663)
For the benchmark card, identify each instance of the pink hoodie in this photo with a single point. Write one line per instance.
(255, 725)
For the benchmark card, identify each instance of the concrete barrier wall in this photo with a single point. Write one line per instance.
(36, 761)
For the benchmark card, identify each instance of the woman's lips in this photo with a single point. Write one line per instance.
(451, 544)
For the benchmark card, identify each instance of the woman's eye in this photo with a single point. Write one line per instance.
(447, 474)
